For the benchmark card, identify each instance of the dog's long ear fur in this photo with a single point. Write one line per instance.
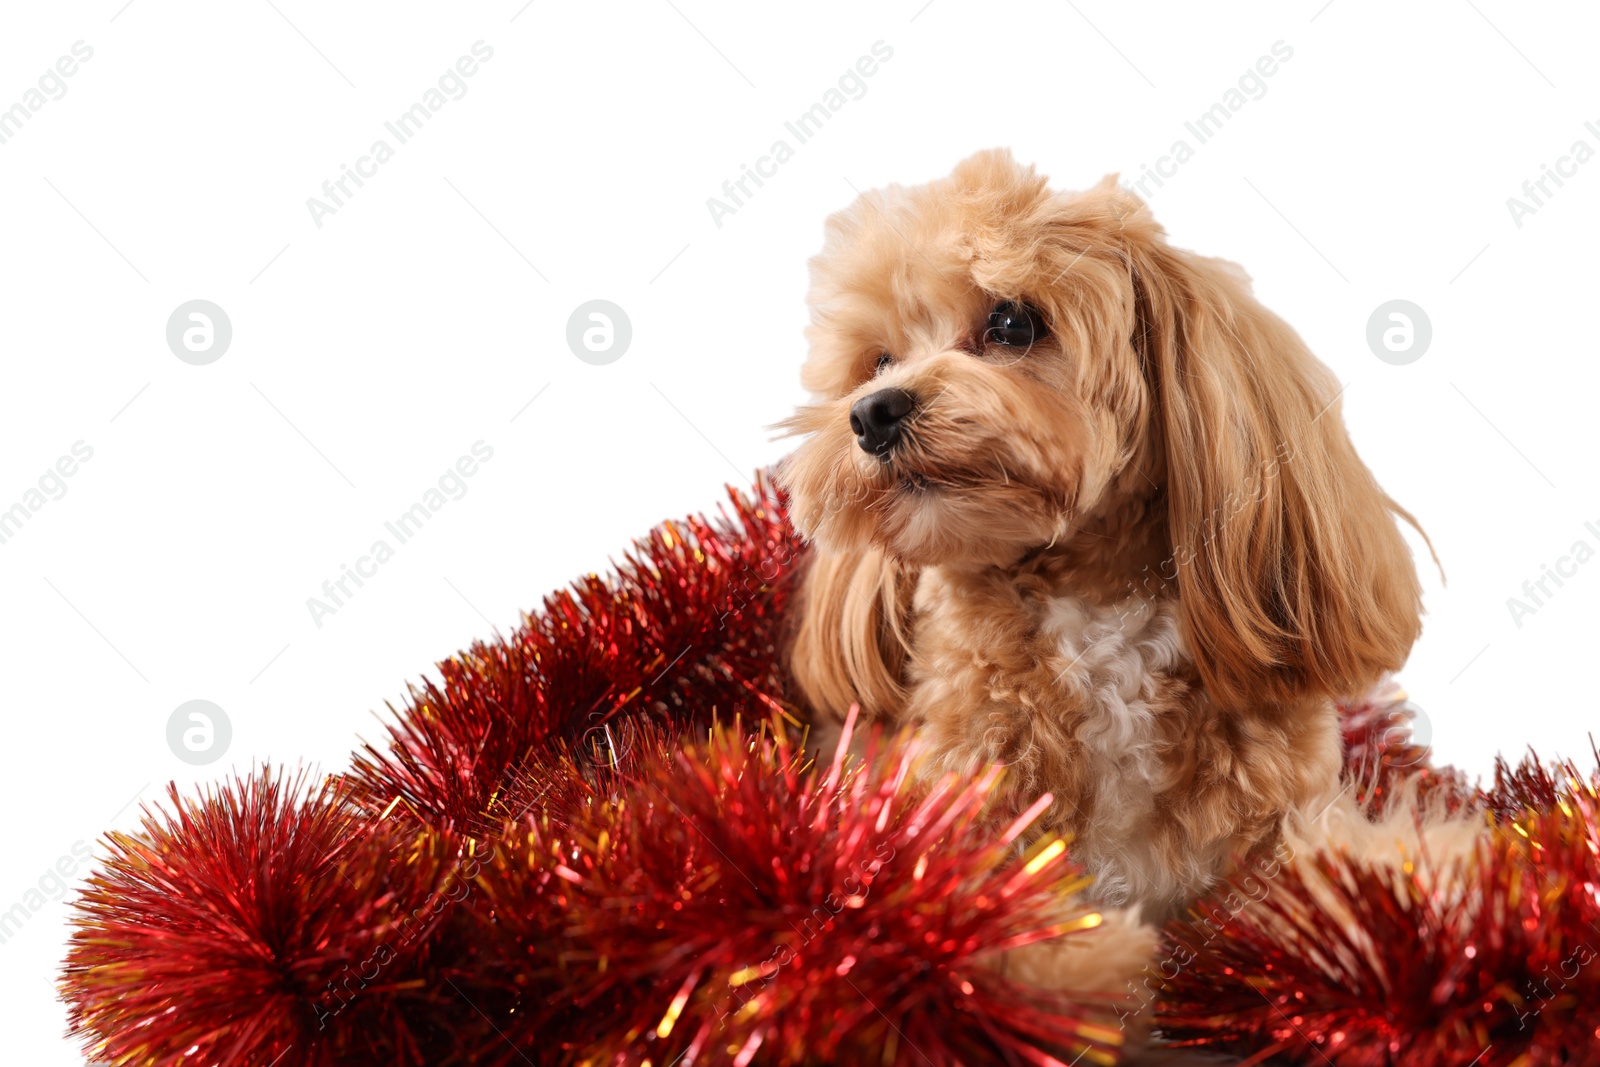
(851, 642)
(1292, 574)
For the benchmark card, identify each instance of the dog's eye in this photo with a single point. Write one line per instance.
(1015, 325)
(884, 360)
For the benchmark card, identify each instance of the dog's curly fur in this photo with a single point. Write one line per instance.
(1135, 560)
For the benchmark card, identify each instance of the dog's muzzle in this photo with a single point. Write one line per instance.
(876, 420)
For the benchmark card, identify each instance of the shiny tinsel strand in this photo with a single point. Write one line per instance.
(267, 921)
(592, 842)
(1491, 961)
(733, 905)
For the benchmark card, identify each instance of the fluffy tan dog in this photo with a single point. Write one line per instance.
(1083, 507)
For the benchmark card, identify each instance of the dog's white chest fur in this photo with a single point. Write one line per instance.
(1108, 654)
(1036, 680)
(1112, 658)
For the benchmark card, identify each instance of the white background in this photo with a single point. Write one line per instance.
(369, 353)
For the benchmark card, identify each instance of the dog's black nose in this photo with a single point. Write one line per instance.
(876, 419)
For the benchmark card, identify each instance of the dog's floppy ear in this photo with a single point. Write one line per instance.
(851, 641)
(1292, 574)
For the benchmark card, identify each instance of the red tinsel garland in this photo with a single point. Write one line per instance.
(1382, 756)
(729, 903)
(594, 842)
(539, 869)
(235, 928)
(687, 629)
(1488, 961)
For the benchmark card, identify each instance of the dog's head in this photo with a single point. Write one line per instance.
(998, 368)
